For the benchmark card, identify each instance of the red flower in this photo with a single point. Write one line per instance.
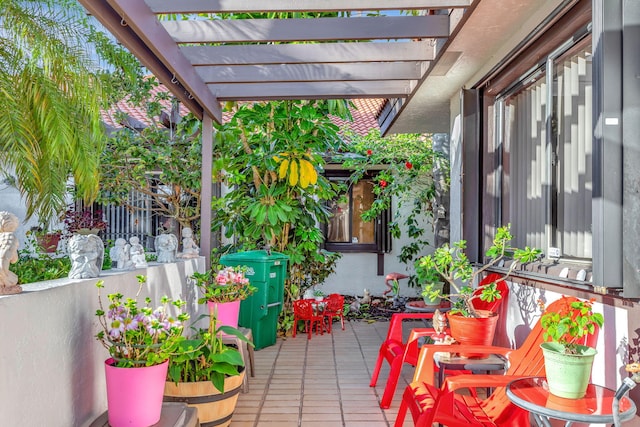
(383, 183)
(408, 165)
(369, 152)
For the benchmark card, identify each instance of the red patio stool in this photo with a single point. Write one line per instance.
(334, 308)
(303, 310)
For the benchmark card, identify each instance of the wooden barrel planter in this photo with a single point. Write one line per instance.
(215, 409)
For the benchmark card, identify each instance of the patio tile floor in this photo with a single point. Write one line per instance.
(321, 382)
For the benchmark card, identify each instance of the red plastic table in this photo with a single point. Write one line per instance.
(532, 394)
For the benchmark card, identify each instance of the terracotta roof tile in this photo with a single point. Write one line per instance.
(364, 114)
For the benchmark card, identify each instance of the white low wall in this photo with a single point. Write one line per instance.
(51, 365)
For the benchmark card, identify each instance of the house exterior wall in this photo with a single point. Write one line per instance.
(51, 364)
(522, 312)
(618, 340)
(358, 271)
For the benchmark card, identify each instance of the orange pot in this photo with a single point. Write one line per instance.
(473, 330)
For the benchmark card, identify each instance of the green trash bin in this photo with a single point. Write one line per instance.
(260, 312)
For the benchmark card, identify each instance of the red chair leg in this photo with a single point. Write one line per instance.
(376, 370)
(392, 382)
(402, 413)
(309, 326)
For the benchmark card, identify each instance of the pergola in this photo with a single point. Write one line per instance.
(205, 55)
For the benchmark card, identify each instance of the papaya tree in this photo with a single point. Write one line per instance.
(270, 157)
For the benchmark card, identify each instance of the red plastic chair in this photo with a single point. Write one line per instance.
(397, 353)
(334, 308)
(303, 310)
(429, 404)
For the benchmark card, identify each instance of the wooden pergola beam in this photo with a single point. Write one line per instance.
(321, 29)
(247, 6)
(310, 72)
(311, 90)
(309, 53)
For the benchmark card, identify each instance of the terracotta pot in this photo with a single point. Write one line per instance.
(473, 330)
(134, 395)
(49, 242)
(214, 408)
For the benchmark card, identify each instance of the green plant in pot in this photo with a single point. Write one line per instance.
(206, 373)
(140, 339)
(451, 264)
(568, 361)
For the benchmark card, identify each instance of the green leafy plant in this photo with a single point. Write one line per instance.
(224, 284)
(162, 160)
(31, 270)
(139, 335)
(75, 220)
(205, 357)
(451, 264)
(271, 154)
(568, 325)
(34, 265)
(408, 178)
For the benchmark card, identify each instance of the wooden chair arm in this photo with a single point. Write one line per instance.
(470, 381)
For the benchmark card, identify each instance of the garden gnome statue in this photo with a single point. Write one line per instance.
(119, 254)
(86, 253)
(166, 246)
(8, 253)
(136, 252)
(189, 247)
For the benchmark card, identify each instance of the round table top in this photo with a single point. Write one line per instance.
(533, 395)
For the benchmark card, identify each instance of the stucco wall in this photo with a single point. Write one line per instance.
(357, 271)
(522, 312)
(51, 365)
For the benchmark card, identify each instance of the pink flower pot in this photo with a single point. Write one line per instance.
(226, 313)
(134, 395)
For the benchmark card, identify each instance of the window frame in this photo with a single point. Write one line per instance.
(570, 27)
(381, 228)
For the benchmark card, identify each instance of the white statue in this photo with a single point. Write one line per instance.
(8, 253)
(119, 254)
(86, 253)
(189, 247)
(166, 246)
(136, 253)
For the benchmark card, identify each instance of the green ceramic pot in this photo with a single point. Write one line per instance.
(437, 286)
(567, 374)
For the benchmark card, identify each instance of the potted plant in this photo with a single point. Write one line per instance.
(47, 239)
(86, 221)
(206, 373)
(568, 361)
(223, 288)
(450, 263)
(140, 340)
